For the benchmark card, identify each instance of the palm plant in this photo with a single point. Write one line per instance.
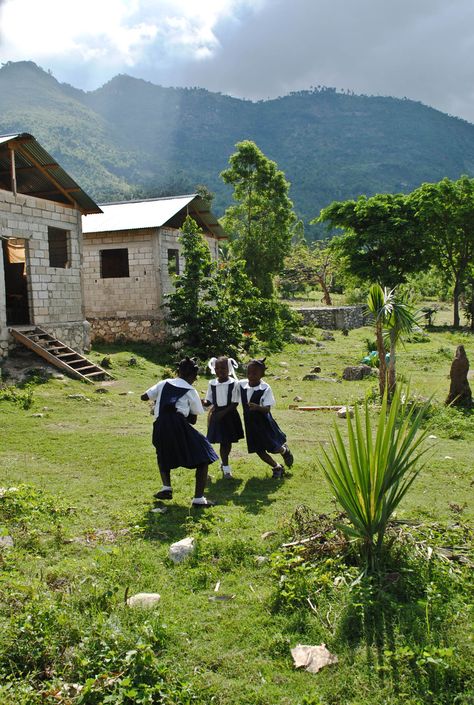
(372, 476)
(394, 317)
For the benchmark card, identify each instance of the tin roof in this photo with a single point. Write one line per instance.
(153, 213)
(38, 174)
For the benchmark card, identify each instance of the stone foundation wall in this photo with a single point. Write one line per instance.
(143, 329)
(334, 317)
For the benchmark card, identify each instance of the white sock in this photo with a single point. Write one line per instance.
(199, 500)
(226, 468)
(165, 487)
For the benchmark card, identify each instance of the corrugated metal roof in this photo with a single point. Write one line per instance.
(151, 213)
(38, 173)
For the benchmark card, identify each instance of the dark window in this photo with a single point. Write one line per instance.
(58, 243)
(114, 263)
(173, 262)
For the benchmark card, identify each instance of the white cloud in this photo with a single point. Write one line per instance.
(254, 48)
(121, 33)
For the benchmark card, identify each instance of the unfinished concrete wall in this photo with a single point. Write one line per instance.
(54, 293)
(132, 307)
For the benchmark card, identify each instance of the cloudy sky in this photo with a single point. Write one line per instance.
(420, 49)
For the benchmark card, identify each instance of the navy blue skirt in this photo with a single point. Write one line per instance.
(227, 429)
(178, 444)
(262, 432)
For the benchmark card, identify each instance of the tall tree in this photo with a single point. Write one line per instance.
(383, 241)
(261, 220)
(446, 212)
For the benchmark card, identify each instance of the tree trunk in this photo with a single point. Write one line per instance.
(456, 294)
(326, 294)
(381, 353)
(392, 379)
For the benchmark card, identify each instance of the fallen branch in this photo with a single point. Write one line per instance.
(315, 408)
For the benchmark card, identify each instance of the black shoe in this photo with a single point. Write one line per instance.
(278, 472)
(288, 457)
(164, 494)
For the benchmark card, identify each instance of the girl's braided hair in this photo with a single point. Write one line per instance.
(188, 366)
(260, 362)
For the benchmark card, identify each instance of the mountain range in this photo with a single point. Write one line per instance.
(131, 138)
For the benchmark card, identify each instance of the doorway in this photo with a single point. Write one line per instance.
(16, 283)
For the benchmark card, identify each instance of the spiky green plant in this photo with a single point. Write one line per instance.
(371, 476)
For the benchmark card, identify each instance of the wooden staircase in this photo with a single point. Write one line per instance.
(59, 354)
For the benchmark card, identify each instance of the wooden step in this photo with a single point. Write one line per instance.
(35, 339)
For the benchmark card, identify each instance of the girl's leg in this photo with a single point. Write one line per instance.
(166, 491)
(201, 479)
(278, 470)
(165, 477)
(224, 452)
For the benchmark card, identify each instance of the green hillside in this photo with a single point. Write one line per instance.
(131, 137)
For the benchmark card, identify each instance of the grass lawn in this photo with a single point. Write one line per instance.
(85, 536)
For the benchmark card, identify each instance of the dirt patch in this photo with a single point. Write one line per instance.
(22, 365)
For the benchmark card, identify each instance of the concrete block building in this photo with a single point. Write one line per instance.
(131, 253)
(41, 237)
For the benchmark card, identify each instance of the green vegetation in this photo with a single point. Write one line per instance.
(131, 138)
(373, 476)
(390, 237)
(260, 222)
(85, 537)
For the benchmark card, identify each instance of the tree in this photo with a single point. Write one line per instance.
(307, 267)
(445, 210)
(383, 241)
(201, 313)
(395, 318)
(261, 221)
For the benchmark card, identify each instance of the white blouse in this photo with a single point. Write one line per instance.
(189, 403)
(222, 391)
(267, 398)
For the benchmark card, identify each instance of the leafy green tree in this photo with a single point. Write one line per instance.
(445, 210)
(261, 221)
(383, 240)
(202, 314)
(308, 267)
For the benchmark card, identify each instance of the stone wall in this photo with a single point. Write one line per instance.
(334, 317)
(54, 293)
(144, 329)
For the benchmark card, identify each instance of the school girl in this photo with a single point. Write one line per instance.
(177, 443)
(225, 426)
(263, 434)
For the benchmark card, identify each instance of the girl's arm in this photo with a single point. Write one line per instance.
(257, 407)
(221, 411)
(144, 397)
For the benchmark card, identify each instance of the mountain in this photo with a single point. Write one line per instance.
(131, 138)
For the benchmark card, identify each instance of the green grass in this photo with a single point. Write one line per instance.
(84, 536)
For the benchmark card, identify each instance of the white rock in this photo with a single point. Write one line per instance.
(144, 599)
(432, 436)
(180, 550)
(344, 411)
(6, 542)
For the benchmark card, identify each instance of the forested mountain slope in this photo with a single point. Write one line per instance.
(132, 138)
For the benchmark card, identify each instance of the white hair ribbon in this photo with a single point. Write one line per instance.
(232, 367)
(212, 365)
